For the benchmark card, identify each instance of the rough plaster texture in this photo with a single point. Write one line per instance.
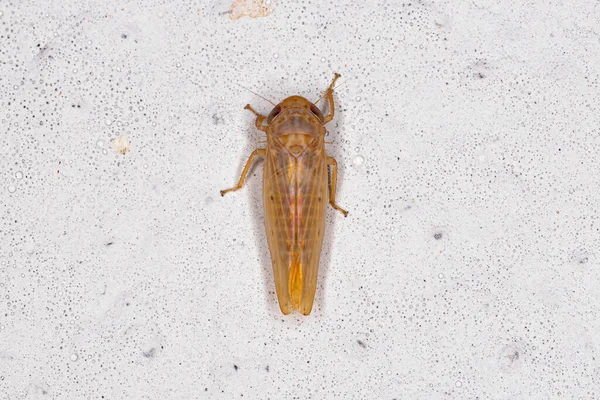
(467, 137)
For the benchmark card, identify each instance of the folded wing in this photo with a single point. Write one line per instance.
(295, 194)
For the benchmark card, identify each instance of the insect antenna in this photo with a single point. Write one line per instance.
(264, 98)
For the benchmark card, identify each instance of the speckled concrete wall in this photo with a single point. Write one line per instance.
(467, 136)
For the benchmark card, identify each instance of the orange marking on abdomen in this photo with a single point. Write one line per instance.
(296, 278)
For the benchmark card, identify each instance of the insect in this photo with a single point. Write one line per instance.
(296, 188)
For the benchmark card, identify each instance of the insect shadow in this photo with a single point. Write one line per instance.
(254, 186)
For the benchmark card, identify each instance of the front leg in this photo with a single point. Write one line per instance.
(257, 152)
(329, 97)
(259, 119)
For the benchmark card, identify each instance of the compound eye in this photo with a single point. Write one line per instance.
(275, 112)
(315, 110)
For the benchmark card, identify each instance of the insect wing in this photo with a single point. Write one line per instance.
(312, 196)
(279, 218)
(294, 190)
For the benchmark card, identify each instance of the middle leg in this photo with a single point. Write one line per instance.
(257, 152)
(331, 161)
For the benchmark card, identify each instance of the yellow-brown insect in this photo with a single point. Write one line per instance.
(295, 189)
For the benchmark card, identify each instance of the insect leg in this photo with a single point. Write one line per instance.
(259, 118)
(257, 152)
(329, 97)
(331, 161)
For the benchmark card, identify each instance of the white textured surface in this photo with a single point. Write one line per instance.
(467, 136)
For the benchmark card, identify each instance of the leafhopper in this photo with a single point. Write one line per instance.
(298, 180)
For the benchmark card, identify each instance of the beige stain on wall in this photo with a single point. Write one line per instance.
(120, 145)
(251, 8)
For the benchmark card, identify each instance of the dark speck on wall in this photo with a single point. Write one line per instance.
(361, 344)
(437, 236)
(235, 367)
(150, 353)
